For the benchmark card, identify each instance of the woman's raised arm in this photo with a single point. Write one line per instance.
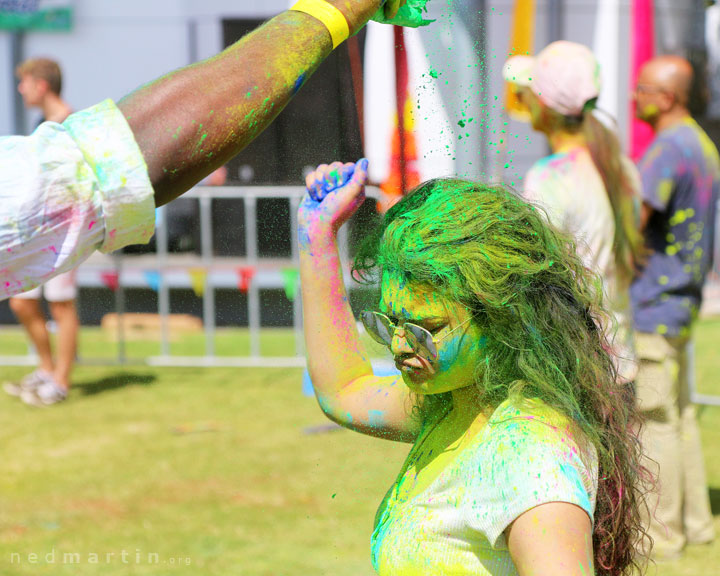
(339, 365)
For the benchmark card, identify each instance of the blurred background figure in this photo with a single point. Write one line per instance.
(217, 178)
(41, 86)
(587, 186)
(680, 175)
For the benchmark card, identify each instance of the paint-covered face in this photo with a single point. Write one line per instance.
(646, 107)
(459, 341)
(524, 96)
(536, 109)
(650, 98)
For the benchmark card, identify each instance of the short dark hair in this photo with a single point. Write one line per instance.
(44, 69)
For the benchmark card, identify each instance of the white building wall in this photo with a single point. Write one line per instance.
(118, 45)
(7, 85)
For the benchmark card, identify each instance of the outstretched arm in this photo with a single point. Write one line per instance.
(192, 121)
(68, 192)
(339, 365)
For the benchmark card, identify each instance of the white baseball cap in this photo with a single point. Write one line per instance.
(565, 76)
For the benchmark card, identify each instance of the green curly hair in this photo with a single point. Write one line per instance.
(539, 308)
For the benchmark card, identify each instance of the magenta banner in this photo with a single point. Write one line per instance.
(642, 42)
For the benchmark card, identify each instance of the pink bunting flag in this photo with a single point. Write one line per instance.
(245, 276)
(643, 49)
(110, 279)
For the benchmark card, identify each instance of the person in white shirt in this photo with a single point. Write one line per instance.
(41, 87)
(523, 458)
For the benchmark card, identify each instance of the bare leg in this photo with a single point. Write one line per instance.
(65, 316)
(32, 318)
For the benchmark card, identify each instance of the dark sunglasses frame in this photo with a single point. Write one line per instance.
(420, 339)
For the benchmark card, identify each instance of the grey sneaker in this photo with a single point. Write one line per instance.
(45, 394)
(28, 383)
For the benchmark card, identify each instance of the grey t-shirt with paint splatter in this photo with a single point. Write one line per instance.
(681, 179)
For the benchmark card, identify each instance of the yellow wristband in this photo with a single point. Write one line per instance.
(330, 16)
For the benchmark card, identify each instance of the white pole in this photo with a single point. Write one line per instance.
(253, 291)
(607, 51)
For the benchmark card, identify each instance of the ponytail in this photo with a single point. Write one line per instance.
(605, 152)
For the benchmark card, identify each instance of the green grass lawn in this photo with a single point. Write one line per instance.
(233, 471)
(96, 344)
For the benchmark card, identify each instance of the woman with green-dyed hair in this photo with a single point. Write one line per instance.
(523, 459)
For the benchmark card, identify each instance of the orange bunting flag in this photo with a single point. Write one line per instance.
(245, 276)
(197, 280)
(522, 42)
(404, 174)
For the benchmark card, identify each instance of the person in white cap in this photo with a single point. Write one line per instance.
(587, 186)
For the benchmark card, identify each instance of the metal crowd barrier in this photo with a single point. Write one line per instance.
(220, 272)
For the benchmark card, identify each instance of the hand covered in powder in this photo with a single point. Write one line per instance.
(334, 193)
(405, 13)
(392, 7)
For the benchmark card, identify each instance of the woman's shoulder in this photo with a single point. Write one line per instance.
(548, 168)
(532, 410)
(530, 455)
(529, 434)
(532, 423)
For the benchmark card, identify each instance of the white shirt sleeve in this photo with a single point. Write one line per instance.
(67, 190)
(528, 460)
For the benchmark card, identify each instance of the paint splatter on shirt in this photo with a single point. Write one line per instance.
(525, 456)
(571, 190)
(67, 190)
(681, 179)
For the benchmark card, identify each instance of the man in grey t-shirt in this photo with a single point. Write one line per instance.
(681, 176)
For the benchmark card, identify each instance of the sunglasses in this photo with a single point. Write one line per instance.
(421, 341)
(649, 89)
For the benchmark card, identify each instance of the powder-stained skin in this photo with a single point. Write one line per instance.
(522, 450)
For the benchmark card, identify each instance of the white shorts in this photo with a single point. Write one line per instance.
(61, 288)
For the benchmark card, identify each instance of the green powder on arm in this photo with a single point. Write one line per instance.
(410, 15)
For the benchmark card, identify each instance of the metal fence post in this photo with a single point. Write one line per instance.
(206, 248)
(295, 252)
(120, 308)
(161, 238)
(252, 257)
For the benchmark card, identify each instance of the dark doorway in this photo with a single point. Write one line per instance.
(319, 125)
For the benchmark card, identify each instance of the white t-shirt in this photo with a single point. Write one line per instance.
(525, 456)
(570, 189)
